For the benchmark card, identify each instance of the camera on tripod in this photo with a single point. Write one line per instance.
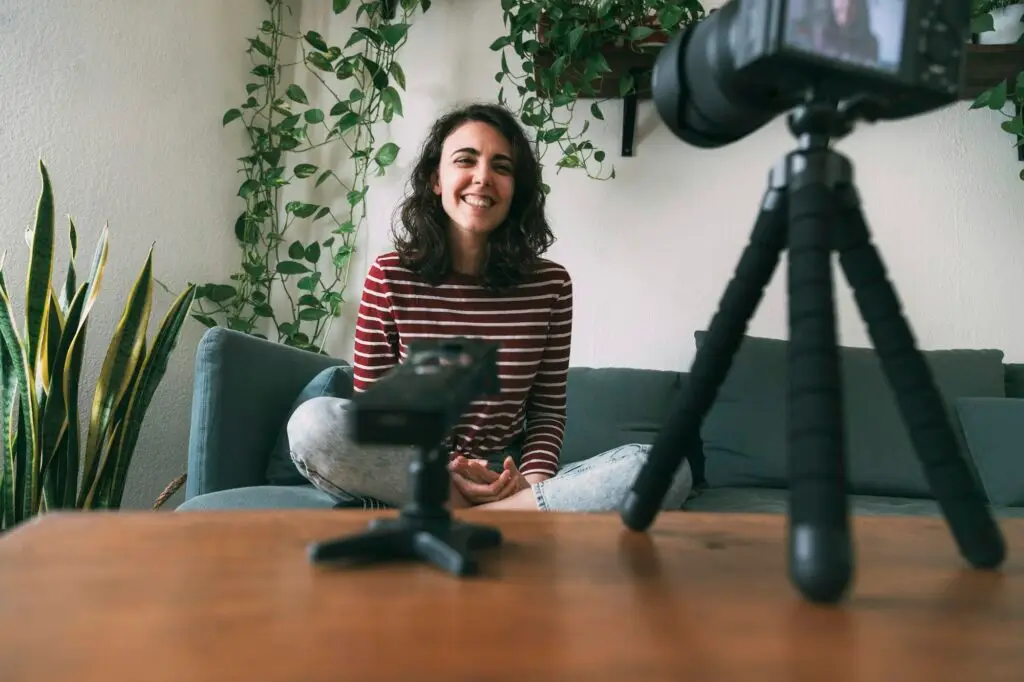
(727, 76)
(418, 403)
(829, 63)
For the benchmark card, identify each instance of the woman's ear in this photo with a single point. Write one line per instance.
(434, 185)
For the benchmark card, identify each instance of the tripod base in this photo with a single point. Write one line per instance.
(439, 540)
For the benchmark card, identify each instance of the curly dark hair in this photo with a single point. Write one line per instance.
(513, 248)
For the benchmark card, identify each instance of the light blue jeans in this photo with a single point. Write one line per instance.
(374, 476)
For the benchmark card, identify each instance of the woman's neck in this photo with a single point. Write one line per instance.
(467, 253)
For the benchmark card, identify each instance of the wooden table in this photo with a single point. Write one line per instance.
(223, 596)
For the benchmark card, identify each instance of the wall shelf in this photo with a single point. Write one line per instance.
(622, 61)
(987, 65)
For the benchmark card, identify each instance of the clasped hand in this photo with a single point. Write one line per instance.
(478, 484)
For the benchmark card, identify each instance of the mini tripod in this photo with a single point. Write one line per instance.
(812, 207)
(424, 529)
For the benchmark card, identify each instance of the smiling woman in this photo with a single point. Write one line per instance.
(468, 262)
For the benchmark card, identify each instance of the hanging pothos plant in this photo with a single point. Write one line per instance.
(362, 81)
(566, 50)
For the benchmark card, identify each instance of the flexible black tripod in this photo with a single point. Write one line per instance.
(424, 529)
(812, 207)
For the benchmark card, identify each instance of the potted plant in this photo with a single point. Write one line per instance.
(563, 51)
(46, 465)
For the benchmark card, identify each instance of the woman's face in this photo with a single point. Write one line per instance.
(475, 178)
(841, 9)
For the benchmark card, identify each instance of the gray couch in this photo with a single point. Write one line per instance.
(246, 387)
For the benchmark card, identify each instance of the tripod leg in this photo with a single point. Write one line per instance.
(453, 551)
(711, 364)
(820, 552)
(382, 543)
(963, 505)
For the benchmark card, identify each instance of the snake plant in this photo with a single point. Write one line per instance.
(46, 463)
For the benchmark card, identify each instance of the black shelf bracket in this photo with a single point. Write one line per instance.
(629, 103)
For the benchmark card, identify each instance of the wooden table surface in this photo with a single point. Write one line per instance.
(223, 596)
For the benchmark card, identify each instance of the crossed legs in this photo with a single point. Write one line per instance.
(322, 450)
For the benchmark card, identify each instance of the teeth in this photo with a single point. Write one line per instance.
(479, 202)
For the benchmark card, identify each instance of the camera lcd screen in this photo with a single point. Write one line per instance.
(861, 33)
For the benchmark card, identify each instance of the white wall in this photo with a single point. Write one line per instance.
(652, 250)
(123, 102)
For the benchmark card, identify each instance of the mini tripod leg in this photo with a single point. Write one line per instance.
(820, 551)
(920, 403)
(713, 358)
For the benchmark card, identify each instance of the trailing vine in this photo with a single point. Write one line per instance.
(362, 82)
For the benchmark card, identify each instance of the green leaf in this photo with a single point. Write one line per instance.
(394, 33)
(595, 111)
(387, 154)
(395, 69)
(312, 253)
(290, 267)
(296, 250)
(982, 23)
(316, 41)
(313, 116)
(391, 99)
(40, 272)
(297, 94)
(340, 6)
(123, 355)
(143, 390)
(230, 115)
(993, 98)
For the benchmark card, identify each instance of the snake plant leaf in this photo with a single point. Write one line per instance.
(67, 294)
(8, 405)
(118, 367)
(153, 370)
(40, 272)
(27, 415)
(55, 413)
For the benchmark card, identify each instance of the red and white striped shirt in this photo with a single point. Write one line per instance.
(532, 324)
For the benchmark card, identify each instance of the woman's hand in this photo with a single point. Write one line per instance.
(478, 484)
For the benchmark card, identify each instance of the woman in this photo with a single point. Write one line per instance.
(847, 31)
(467, 262)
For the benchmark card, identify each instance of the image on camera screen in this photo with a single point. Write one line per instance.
(862, 33)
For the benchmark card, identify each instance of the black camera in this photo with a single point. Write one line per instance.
(725, 77)
(419, 401)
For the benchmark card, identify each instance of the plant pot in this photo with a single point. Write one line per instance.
(1007, 26)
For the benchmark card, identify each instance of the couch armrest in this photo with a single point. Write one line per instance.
(243, 390)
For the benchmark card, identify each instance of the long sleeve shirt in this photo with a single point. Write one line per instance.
(532, 324)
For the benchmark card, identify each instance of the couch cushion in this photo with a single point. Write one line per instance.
(260, 497)
(994, 429)
(744, 434)
(609, 407)
(333, 382)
